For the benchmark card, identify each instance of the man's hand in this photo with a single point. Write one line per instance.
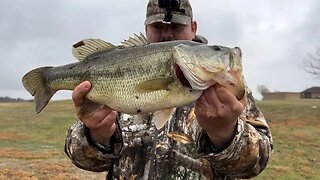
(217, 111)
(102, 123)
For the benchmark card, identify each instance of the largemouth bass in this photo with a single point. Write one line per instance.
(139, 77)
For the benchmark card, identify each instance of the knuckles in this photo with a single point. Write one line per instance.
(101, 119)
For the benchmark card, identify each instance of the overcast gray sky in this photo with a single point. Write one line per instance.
(275, 36)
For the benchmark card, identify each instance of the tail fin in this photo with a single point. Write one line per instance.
(35, 82)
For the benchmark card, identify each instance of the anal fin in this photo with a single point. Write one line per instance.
(161, 117)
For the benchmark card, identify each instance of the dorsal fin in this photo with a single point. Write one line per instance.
(87, 47)
(135, 41)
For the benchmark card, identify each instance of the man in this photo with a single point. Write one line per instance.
(217, 137)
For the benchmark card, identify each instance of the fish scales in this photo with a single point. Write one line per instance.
(111, 65)
(123, 86)
(114, 76)
(139, 79)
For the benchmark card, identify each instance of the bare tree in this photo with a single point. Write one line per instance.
(262, 89)
(312, 64)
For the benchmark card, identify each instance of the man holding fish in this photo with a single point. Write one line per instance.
(220, 135)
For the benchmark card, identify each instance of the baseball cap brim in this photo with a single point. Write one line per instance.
(176, 18)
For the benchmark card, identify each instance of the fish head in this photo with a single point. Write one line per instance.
(203, 66)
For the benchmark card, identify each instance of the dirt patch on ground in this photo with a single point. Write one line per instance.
(22, 164)
(21, 154)
(290, 123)
(16, 174)
(44, 169)
(11, 136)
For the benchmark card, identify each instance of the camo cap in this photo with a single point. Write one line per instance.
(156, 14)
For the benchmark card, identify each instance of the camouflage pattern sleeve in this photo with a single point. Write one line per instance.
(249, 151)
(85, 155)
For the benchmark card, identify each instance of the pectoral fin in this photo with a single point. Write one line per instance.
(161, 117)
(154, 85)
(88, 108)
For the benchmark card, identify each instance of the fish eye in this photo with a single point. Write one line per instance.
(217, 48)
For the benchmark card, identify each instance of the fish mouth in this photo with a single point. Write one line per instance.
(179, 73)
(181, 77)
(198, 80)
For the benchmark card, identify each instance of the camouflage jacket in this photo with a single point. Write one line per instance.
(180, 150)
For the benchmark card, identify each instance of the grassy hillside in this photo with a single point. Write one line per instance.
(32, 145)
(295, 126)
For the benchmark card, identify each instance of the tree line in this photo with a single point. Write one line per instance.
(9, 99)
(312, 64)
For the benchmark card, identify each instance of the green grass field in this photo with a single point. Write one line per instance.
(295, 126)
(32, 145)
